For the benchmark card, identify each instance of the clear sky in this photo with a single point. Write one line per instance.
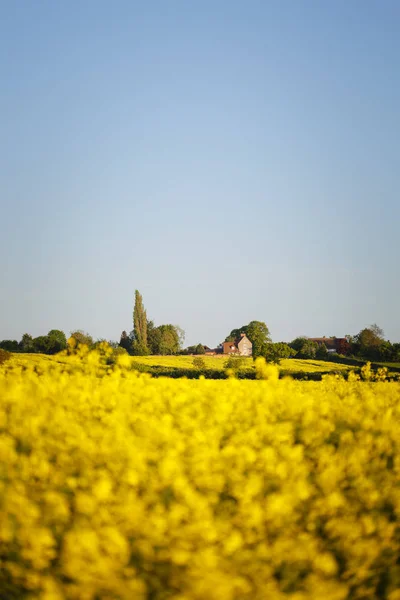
(231, 160)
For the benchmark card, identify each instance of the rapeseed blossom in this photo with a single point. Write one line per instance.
(114, 485)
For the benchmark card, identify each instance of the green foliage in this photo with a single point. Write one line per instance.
(56, 341)
(125, 342)
(196, 349)
(153, 337)
(297, 343)
(26, 343)
(258, 334)
(274, 352)
(41, 344)
(199, 362)
(304, 347)
(235, 333)
(322, 352)
(169, 340)
(368, 343)
(164, 339)
(10, 345)
(140, 347)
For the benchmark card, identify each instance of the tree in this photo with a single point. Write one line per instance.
(181, 335)
(10, 345)
(169, 340)
(41, 344)
(258, 334)
(56, 341)
(196, 349)
(140, 347)
(304, 347)
(125, 342)
(367, 342)
(235, 333)
(308, 349)
(322, 352)
(26, 343)
(377, 331)
(275, 352)
(153, 338)
(164, 339)
(297, 343)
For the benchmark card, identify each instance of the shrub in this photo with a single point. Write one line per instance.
(199, 363)
(274, 352)
(235, 364)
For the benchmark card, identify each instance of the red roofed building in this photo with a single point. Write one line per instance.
(241, 346)
(339, 345)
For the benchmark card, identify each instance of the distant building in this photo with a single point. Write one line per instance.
(333, 344)
(210, 351)
(241, 346)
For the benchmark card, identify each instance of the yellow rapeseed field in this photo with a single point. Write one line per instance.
(115, 486)
(218, 362)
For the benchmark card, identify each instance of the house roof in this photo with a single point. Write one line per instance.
(329, 342)
(243, 336)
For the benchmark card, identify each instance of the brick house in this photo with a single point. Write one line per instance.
(241, 346)
(333, 345)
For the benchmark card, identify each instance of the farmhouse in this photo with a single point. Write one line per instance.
(333, 345)
(241, 346)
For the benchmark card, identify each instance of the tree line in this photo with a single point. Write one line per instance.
(147, 338)
(144, 338)
(367, 344)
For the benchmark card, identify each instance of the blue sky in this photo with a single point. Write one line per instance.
(231, 160)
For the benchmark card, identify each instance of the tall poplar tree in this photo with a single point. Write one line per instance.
(140, 346)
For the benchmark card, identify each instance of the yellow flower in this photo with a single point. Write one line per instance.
(114, 484)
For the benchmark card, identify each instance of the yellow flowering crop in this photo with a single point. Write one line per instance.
(114, 485)
(218, 362)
